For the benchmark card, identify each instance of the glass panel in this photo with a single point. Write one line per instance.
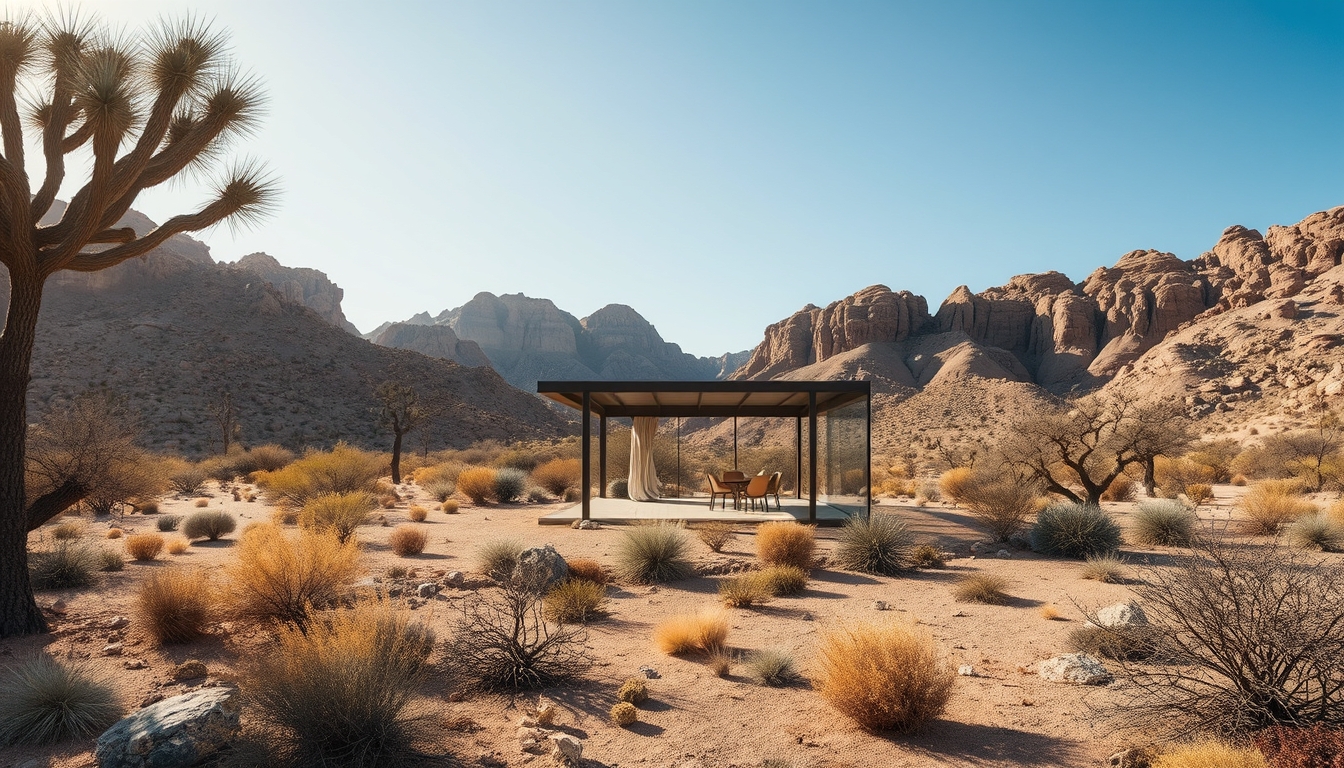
(842, 458)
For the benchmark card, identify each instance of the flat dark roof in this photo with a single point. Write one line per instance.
(705, 398)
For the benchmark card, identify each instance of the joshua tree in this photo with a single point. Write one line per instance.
(141, 109)
(225, 414)
(401, 412)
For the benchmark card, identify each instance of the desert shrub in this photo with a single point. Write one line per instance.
(337, 692)
(502, 641)
(634, 690)
(174, 605)
(716, 536)
(619, 489)
(478, 483)
(449, 507)
(1000, 504)
(1123, 643)
(497, 557)
(954, 482)
(927, 556)
(1074, 530)
(653, 554)
(720, 662)
(1247, 637)
(1050, 612)
(624, 713)
(1316, 531)
(1270, 504)
(110, 560)
(587, 569)
(201, 503)
(148, 508)
(537, 495)
(1176, 476)
(113, 533)
(68, 530)
(1239, 480)
(276, 577)
(417, 513)
(772, 667)
(1210, 754)
(786, 544)
(178, 546)
(43, 700)
(783, 580)
(343, 469)
(743, 591)
(929, 492)
(144, 546)
(1311, 747)
(701, 632)
(1108, 568)
(263, 458)
(168, 523)
(1199, 493)
(509, 485)
(208, 525)
(65, 565)
(408, 540)
(885, 677)
(558, 474)
(877, 544)
(981, 588)
(575, 600)
(1163, 522)
(440, 490)
(340, 513)
(188, 481)
(1120, 489)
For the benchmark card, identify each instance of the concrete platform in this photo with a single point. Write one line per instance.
(693, 510)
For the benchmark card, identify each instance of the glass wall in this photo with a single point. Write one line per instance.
(842, 458)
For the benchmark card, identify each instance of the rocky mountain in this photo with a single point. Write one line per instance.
(301, 285)
(528, 340)
(172, 330)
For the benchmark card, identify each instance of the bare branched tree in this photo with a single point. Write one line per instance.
(225, 415)
(1312, 454)
(142, 110)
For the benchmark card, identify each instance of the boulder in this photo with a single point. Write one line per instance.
(566, 748)
(1122, 615)
(1076, 668)
(190, 670)
(541, 567)
(180, 731)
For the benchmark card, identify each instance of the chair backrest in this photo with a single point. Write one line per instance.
(714, 486)
(733, 474)
(758, 485)
(774, 482)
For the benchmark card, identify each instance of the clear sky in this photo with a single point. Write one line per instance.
(717, 165)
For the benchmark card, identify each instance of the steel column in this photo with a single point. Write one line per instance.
(587, 439)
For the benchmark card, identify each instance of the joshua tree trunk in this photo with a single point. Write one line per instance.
(19, 614)
(396, 458)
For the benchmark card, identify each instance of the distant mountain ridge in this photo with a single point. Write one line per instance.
(531, 339)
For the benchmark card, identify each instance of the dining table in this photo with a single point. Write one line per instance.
(739, 487)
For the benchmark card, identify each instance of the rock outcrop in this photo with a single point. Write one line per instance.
(432, 340)
(301, 285)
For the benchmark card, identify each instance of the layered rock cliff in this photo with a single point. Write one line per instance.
(301, 285)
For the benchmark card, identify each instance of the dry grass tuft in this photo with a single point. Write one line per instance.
(178, 546)
(1108, 569)
(43, 700)
(885, 677)
(144, 546)
(653, 554)
(720, 662)
(744, 591)
(449, 507)
(497, 557)
(557, 475)
(575, 600)
(701, 632)
(175, 605)
(716, 536)
(927, 556)
(772, 667)
(1050, 612)
(878, 544)
(954, 482)
(408, 540)
(1270, 504)
(587, 569)
(786, 544)
(1316, 531)
(201, 502)
(340, 513)
(783, 580)
(114, 533)
(65, 565)
(66, 531)
(276, 577)
(983, 588)
(1210, 754)
(477, 483)
(417, 513)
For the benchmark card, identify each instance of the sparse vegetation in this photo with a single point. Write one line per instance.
(211, 525)
(65, 564)
(716, 536)
(634, 690)
(168, 523)
(619, 489)
(879, 544)
(408, 540)
(981, 588)
(110, 560)
(927, 556)
(885, 677)
(188, 481)
(43, 701)
(1123, 643)
(1316, 531)
(1001, 504)
(557, 475)
(954, 482)
(1050, 612)
(1270, 504)
(1163, 523)
(440, 490)
(497, 557)
(72, 529)
(201, 503)
(587, 569)
(1074, 530)
(772, 667)
(783, 580)
(623, 714)
(744, 591)
(113, 533)
(174, 605)
(144, 546)
(177, 546)
(478, 483)
(342, 470)
(276, 577)
(575, 600)
(1108, 568)
(449, 507)
(510, 484)
(701, 632)
(1210, 754)
(340, 513)
(653, 554)
(720, 662)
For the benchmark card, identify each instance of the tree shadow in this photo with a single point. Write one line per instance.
(987, 744)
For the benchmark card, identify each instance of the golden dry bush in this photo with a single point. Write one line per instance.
(558, 474)
(744, 591)
(408, 540)
(1120, 489)
(417, 513)
(624, 713)
(449, 507)
(1050, 612)
(886, 677)
(1270, 504)
(1199, 493)
(114, 533)
(587, 569)
(984, 588)
(1210, 754)
(276, 577)
(201, 502)
(575, 600)
(953, 483)
(66, 531)
(783, 580)
(144, 546)
(786, 544)
(175, 605)
(340, 513)
(477, 483)
(178, 546)
(634, 690)
(343, 469)
(701, 632)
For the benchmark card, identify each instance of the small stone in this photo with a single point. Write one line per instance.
(134, 664)
(152, 698)
(427, 590)
(1122, 615)
(1077, 668)
(455, 578)
(966, 670)
(567, 748)
(649, 672)
(118, 622)
(1003, 553)
(589, 525)
(112, 649)
(190, 670)
(878, 605)
(957, 614)
(541, 567)
(395, 591)
(59, 608)
(546, 713)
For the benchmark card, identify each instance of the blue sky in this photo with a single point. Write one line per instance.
(718, 165)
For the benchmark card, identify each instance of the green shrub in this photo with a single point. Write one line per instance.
(880, 544)
(510, 484)
(1316, 531)
(575, 600)
(497, 557)
(652, 554)
(981, 588)
(168, 523)
(209, 525)
(1074, 530)
(772, 667)
(43, 701)
(65, 565)
(782, 580)
(109, 560)
(340, 513)
(440, 490)
(1163, 522)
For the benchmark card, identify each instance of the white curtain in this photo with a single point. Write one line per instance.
(643, 484)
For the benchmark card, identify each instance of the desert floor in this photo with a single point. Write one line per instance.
(1005, 715)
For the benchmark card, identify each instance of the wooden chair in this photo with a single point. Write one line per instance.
(716, 490)
(758, 488)
(772, 489)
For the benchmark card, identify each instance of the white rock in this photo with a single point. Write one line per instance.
(1122, 615)
(567, 748)
(1077, 668)
(966, 670)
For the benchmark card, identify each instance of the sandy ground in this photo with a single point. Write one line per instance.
(1004, 716)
